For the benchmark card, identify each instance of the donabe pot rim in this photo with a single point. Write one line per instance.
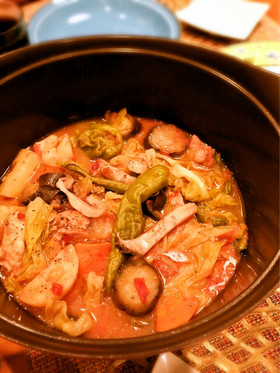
(156, 343)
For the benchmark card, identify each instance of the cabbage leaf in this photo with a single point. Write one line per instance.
(56, 316)
(195, 190)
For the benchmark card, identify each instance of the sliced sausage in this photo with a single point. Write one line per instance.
(168, 138)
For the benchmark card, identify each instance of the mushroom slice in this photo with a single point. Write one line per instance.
(90, 211)
(53, 282)
(143, 243)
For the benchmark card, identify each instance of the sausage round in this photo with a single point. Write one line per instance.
(169, 139)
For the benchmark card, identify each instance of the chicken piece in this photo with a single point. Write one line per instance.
(12, 245)
(70, 223)
(168, 138)
(143, 162)
(200, 152)
(53, 282)
(143, 243)
(6, 210)
(54, 150)
(137, 287)
(102, 168)
(94, 210)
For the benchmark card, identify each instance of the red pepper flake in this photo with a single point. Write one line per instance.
(21, 216)
(57, 289)
(142, 289)
(94, 167)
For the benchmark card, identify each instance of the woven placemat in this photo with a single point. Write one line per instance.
(251, 345)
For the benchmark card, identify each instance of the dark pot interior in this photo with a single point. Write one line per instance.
(50, 85)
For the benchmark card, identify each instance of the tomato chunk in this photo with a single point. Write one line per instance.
(93, 257)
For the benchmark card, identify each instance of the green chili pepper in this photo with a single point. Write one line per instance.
(115, 186)
(130, 222)
(216, 219)
(100, 141)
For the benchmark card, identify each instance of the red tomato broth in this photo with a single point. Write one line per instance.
(93, 253)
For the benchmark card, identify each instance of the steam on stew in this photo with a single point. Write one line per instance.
(119, 227)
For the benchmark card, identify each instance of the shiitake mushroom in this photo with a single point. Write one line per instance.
(156, 204)
(47, 189)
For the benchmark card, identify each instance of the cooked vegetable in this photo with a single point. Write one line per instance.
(115, 186)
(100, 141)
(220, 200)
(174, 309)
(47, 189)
(21, 170)
(143, 243)
(216, 218)
(56, 316)
(168, 138)
(137, 287)
(126, 123)
(155, 205)
(130, 222)
(228, 187)
(154, 228)
(54, 281)
(93, 209)
(194, 191)
(50, 179)
(36, 225)
(242, 242)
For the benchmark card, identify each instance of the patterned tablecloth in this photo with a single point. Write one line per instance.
(251, 345)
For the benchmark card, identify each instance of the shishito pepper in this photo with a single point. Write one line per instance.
(100, 141)
(112, 185)
(130, 221)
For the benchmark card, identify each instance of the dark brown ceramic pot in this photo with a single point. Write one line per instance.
(230, 104)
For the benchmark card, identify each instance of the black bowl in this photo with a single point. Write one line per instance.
(230, 104)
